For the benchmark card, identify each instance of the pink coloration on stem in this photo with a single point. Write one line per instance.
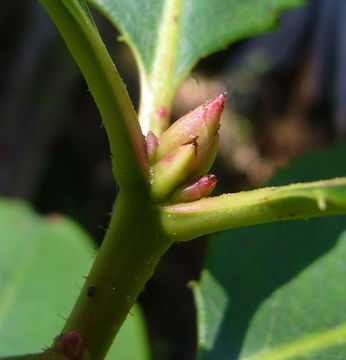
(162, 111)
(195, 189)
(203, 122)
(151, 143)
(139, 147)
(70, 344)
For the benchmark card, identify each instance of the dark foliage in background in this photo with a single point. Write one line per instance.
(290, 84)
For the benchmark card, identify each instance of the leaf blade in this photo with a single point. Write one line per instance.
(48, 256)
(168, 37)
(220, 23)
(280, 283)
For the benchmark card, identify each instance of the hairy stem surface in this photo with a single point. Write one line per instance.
(133, 245)
(126, 141)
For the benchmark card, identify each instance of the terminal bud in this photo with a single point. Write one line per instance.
(185, 150)
(203, 122)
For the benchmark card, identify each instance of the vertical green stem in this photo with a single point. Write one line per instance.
(158, 88)
(133, 245)
(134, 242)
(129, 159)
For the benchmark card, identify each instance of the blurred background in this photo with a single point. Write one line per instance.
(287, 96)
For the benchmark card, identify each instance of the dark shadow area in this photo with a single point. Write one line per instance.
(251, 263)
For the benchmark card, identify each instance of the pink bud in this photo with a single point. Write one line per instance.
(70, 344)
(151, 143)
(203, 122)
(194, 189)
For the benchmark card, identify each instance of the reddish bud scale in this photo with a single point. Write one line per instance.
(203, 122)
(195, 189)
(70, 344)
(186, 149)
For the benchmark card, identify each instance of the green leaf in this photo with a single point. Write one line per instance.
(42, 264)
(277, 291)
(204, 26)
(168, 37)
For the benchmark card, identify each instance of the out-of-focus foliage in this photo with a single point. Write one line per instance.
(43, 261)
(277, 287)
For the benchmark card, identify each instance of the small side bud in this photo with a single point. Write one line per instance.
(194, 189)
(203, 122)
(172, 170)
(70, 344)
(151, 143)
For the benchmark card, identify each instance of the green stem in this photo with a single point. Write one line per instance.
(296, 201)
(126, 140)
(133, 245)
(134, 242)
(158, 88)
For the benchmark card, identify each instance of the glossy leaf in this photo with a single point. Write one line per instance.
(277, 291)
(42, 264)
(168, 37)
(204, 26)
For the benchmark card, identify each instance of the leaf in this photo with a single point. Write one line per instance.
(276, 291)
(42, 264)
(168, 37)
(204, 26)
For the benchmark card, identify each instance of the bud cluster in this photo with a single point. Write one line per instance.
(184, 153)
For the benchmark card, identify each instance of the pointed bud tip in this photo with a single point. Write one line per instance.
(202, 123)
(212, 112)
(210, 178)
(218, 102)
(207, 183)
